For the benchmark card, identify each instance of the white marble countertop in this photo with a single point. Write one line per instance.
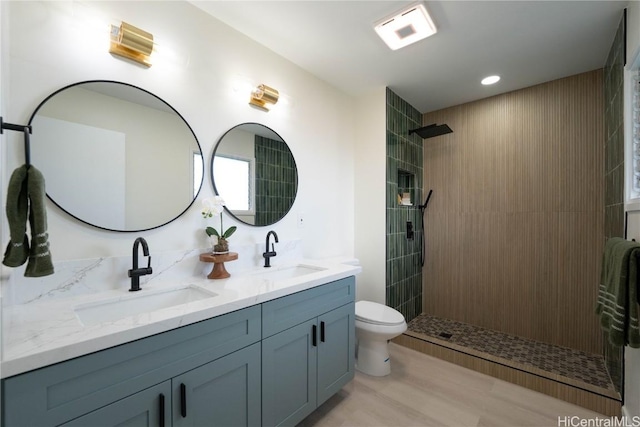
(42, 333)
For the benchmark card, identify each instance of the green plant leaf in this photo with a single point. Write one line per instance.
(211, 232)
(229, 232)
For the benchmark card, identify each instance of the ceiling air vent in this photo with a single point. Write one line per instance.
(405, 27)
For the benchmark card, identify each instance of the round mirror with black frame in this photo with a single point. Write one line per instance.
(116, 156)
(253, 170)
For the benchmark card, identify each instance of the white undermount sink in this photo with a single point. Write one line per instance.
(140, 302)
(282, 273)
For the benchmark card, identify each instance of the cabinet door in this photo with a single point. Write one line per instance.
(225, 392)
(336, 351)
(147, 408)
(289, 375)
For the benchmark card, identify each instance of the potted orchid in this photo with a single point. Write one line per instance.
(214, 206)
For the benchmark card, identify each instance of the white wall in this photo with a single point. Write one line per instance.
(202, 73)
(370, 195)
(633, 30)
(3, 147)
(632, 356)
(96, 155)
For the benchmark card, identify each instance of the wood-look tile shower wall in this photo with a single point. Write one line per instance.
(514, 229)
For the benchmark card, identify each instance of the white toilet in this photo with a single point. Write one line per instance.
(376, 324)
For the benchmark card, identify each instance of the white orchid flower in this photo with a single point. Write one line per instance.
(212, 206)
(215, 206)
(207, 206)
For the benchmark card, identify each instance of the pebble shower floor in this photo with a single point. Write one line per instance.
(567, 362)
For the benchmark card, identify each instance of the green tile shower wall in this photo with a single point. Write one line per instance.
(614, 134)
(275, 185)
(404, 174)
(614, 170)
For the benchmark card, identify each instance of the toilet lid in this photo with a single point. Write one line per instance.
(378, 314)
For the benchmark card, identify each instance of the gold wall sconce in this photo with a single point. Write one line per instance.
(132, 43)
(264, 97)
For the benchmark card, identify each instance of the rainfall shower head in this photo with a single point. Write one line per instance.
(431, 131)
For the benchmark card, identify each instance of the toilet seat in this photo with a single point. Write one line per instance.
(377, 314)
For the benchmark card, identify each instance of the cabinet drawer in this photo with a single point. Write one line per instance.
(147, 408)
(286, 312)
(58, 393)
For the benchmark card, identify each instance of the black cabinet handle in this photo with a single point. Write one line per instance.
(161, 410)
(183, 400)
(321, 331)
(314, 333)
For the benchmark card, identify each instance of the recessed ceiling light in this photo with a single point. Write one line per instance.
(406, 27)
(490, 80)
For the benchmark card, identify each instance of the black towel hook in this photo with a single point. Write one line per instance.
(26, 129)
(27, 146)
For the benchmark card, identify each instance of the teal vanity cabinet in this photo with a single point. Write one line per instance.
(138, 383)
(269, 364)
(308, 350)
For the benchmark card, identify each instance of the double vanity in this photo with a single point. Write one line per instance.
(264, 347)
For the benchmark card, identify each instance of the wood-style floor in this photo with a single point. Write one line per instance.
(425, 391)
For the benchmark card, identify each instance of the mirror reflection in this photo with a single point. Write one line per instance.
(116, 156)
(254, 171)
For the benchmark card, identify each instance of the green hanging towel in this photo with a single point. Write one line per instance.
(40, 263)
(26, 200)
(17, 210)
(618, 294)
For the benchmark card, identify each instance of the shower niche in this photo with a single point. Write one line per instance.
(407, 196)
(407, 188)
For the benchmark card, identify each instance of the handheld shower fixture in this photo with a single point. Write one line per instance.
(426, 202)
(423, 208)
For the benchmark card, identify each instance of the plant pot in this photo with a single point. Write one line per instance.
(222, 247)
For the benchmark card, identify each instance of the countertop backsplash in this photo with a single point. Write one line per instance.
(93, 275)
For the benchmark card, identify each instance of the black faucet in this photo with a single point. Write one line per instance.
(136, 272)
(268, 254)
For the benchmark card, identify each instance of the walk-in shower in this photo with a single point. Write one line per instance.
(502, 294)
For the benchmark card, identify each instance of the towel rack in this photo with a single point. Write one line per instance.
(26, 129)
